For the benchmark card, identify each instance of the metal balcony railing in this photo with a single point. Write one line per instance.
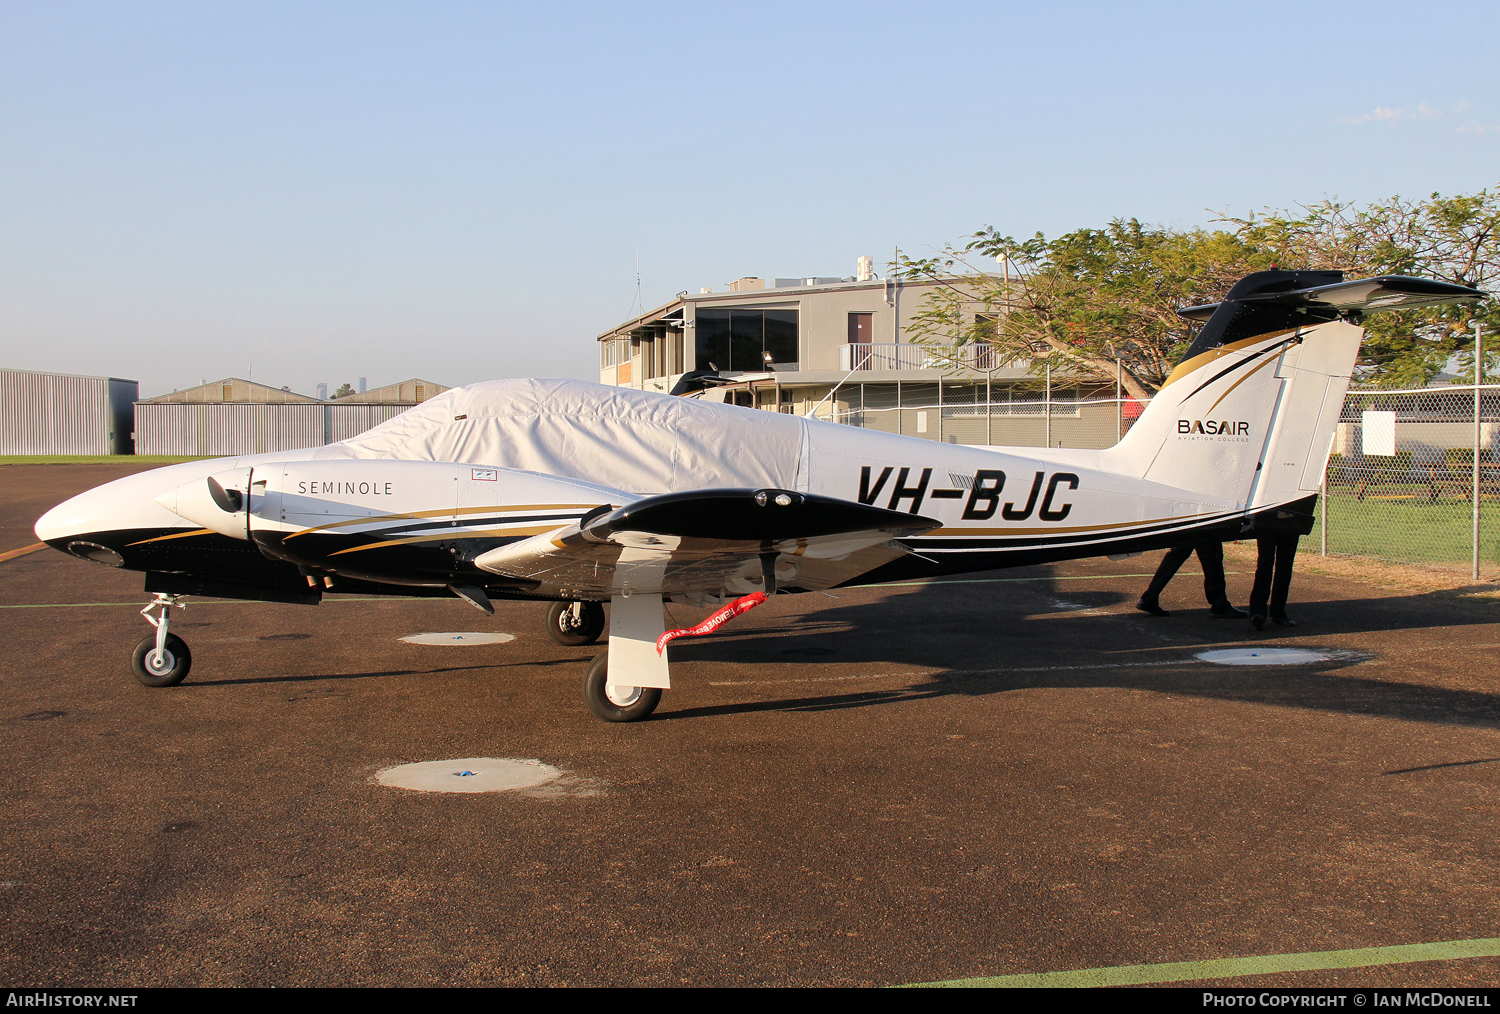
(874, 356)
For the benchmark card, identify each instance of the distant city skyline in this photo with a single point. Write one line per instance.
(461, 192)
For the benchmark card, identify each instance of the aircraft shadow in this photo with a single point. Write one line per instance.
(975, 640)
(380, 674)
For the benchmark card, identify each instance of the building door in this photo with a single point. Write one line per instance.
(861, 328)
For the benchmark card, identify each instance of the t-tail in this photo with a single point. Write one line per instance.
(1248, 416)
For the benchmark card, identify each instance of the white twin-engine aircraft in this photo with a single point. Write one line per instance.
(582, 494)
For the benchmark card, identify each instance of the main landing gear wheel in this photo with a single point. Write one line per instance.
(575, 623)
(616, 704)
(167, 669)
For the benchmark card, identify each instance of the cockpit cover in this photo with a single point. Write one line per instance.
(630, 440)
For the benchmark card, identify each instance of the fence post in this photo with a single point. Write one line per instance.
(1323, 514)
(1047, 404)
(1119, 406)
(989, 410)
(1478, 379)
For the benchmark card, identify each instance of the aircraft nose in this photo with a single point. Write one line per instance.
(124, 506)
(76, 516)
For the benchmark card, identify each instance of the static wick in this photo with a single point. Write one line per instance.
(714, 622)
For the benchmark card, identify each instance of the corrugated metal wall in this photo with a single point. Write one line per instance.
(224, 429)
(345, 421)
(53, 413)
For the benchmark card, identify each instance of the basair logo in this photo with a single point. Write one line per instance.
(1213, 428)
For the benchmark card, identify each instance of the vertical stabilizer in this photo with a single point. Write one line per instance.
(1250, 422)
(1249, 414)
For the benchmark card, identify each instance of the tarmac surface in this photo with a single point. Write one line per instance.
(1014, 772)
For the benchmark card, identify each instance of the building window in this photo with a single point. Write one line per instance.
(861, 328)
(614, 352)
(421, 393)
(228, 393)
(740, 340)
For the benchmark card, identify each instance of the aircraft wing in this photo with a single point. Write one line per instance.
(710, 543)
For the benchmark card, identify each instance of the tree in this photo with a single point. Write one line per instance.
(1085, 301)
(1096, 300)
(344, 391)
(1456, 239)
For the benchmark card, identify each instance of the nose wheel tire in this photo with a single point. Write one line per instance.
(168, 670)
(616, 704)
(575, 623)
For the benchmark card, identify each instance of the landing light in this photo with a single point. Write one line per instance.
(97, 553)
(764, 497)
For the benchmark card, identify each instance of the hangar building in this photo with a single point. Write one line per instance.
(235, 416)
(58, 413)
(840, 344)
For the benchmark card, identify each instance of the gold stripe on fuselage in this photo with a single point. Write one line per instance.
(1060, 530)
(448, 536)
(444, 512)
(179, 535)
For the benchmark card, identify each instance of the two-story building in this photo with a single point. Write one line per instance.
(839, 348)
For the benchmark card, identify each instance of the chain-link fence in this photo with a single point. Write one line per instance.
(1401, 483)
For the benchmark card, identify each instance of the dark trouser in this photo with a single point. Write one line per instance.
(1275, 553)
(1210, 555)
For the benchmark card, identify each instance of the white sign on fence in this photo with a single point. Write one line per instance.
(1378, 433)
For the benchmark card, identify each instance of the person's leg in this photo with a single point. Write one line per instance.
(1286, 554)
(1265, 561)
(1211, 557)
(1150, 599)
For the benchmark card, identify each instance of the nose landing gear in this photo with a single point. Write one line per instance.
(161, 659)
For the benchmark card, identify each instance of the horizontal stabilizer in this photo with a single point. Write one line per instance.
(1366, 295)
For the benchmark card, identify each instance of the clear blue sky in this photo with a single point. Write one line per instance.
(459, 191)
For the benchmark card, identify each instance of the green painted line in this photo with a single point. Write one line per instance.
(230, 602)
(1226, 968)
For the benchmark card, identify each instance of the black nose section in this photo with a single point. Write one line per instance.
(231, 501)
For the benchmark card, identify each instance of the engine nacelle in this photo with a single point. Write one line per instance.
(221, 502)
